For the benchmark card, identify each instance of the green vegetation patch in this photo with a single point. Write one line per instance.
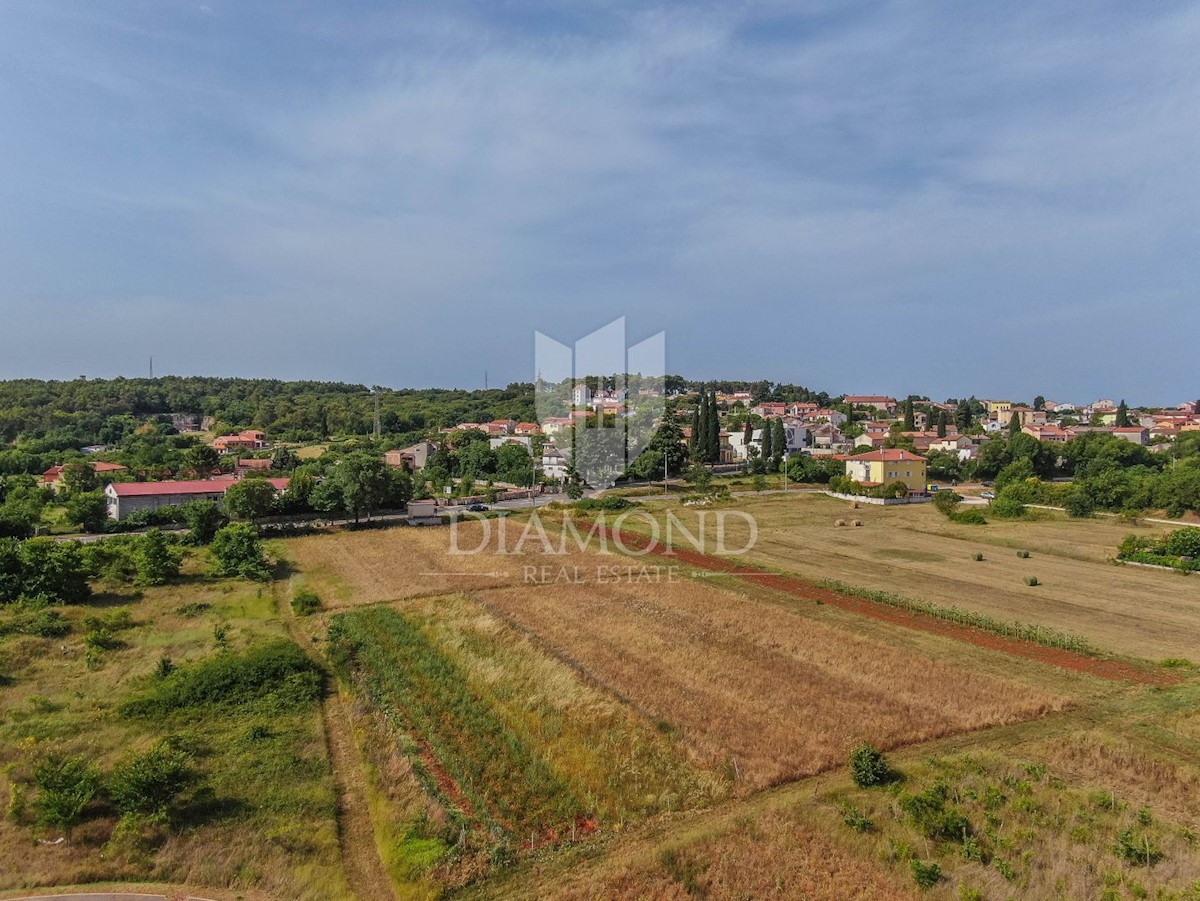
(477, 762)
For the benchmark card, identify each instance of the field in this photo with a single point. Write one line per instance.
(262, 819)
(603, 724)
(914, 551)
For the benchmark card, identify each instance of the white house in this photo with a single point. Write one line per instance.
(554, 464)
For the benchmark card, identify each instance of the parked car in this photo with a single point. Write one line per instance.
(987, 484)
(988, 495)
(478, 508)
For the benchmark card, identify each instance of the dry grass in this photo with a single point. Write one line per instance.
(773, 856)
(620, 765)
(915, 551)
(753, 690)
(274, 832)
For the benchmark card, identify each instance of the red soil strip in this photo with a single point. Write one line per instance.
(1113, 670)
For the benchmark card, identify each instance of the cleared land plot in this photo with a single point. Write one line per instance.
(914, 551)
(755, 692)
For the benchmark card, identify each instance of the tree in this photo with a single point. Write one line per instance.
(283, 460)
(699, 477)
(356, 485)
(747, 433)
(1014, 424)
(150, 782)
(78, 478)
(868, 767)
(155, 559)
(714, 429)
(1039, 403)
(237, 551)
(910, 416)
(942, 423)
(88, 510)
(54, 570)
(203, 519)
(250, 498)
(66, 785)
(778, 443)
(1123, 420)
(201, 460)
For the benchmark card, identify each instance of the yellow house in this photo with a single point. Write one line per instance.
(882, 467)
(999, 409)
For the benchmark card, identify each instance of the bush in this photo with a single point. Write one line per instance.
(1007, 505)
(66, 785)
(204, 519)
(855, 818)
(1183, 543)
(155, 560)
(868, 767)
(149, 783)
(278, 668)
(609, 503)
(43, 567)
(946, 502)
(305, 602)
(925, 875)
(934, 817)
(971, 517)
(237, 551)
(32, 617)
(1137, 850)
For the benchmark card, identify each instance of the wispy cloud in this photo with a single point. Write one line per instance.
(789, 191)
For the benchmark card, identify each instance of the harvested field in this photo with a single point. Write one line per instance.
(916, 552)
(752, 689)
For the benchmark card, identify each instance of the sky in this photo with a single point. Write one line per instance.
(867, 197)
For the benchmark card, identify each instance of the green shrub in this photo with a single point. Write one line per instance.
(237, 551)
(970, 517)
(149, 783)
(966, 893)
(1137, 850)
(32, 617)
(611, 503)
(66, 785)
(855, 818)
(868, 767)
(925, 875)
(305, 602)
(277, 669)
(946, 502)
(932, 815)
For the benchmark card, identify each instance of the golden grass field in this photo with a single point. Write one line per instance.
(754, 690)
(916, 552)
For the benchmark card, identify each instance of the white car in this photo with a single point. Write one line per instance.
(988, 495)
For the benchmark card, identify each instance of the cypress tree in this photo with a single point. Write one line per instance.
(910, 416)
(714, 430)
(779, 442)
(694, 439)
(941, 425)
(1123, 415)
(1014, 424)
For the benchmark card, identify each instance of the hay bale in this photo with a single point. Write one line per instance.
(840, 522)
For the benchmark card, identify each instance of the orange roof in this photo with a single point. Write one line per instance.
(889, 455)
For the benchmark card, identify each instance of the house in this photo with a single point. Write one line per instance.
(527, 429)
(769, 410)
(878, 401)
(521, 440)
(244, 465)
(1135, 434)
(837, 417)
(827, 437)
(245, 440)
(553, 425)
(125, 498)
(500, 427)
(796, 435)
(50, 476)
(959, 445)
(423, 513)
(554, 464)
(1027, 416)
(1047, 433)
(999, 409)
(581, 396)
(802, 410)
(411, 458)
(882, 467)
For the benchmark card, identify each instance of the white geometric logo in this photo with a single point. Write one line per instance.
(602, 402)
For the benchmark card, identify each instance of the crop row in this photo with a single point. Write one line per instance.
(425, 697)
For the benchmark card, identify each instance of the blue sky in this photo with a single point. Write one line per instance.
(937, 198)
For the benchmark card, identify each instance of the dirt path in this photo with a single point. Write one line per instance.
(356, 833)
(1114, 670)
